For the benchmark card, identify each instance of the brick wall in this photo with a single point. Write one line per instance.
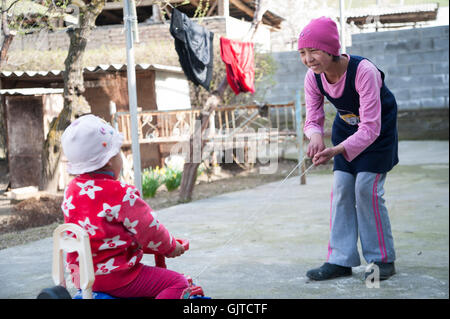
(112, 35)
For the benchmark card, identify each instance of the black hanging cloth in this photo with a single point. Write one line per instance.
(194, 45)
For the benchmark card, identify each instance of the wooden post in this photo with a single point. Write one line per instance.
(224, 8)
(299, 129)
(156, 13)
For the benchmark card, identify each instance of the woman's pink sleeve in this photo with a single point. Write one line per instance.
(315, 114)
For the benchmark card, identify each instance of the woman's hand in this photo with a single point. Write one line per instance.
(316, 145)
(178, 251)
(324, 156)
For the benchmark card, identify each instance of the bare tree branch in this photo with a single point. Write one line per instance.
(4, 4)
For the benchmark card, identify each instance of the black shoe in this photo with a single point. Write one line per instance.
(329, 271)
(56, 292)
(386, 270)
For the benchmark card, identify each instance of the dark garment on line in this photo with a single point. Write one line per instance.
(194, 45)
(239, 59)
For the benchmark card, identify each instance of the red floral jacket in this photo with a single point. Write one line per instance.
(121, 227)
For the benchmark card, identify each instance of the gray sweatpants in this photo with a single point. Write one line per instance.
(357, 205)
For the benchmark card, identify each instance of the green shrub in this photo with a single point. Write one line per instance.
(172, 178)
(170, 175)
(151, 181)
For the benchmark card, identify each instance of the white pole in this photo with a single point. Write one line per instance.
(342, 20)
(131, 75)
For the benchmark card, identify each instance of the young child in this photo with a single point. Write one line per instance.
(364, 136)
(121, 226)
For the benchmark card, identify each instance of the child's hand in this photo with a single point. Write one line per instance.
(178, 251)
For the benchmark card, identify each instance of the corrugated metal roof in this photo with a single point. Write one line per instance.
(29, 73)
(31, 91)
(387, 10)
(98, 68)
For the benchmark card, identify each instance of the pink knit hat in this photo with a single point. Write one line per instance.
(322, 34)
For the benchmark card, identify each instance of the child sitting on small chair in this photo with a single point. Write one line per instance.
(121, 226)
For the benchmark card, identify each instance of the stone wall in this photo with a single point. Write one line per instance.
(416, 63)
(113, 35)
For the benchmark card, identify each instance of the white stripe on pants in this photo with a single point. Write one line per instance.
(357, 205)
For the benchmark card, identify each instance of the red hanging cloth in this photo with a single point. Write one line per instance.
(239, 59)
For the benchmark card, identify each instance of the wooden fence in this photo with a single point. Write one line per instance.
(179, 125)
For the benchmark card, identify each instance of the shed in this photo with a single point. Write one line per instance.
(28, 115)
(159, 87)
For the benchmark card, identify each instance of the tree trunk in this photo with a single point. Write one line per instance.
(6, 43)
(190, 167)
(8, 36)
(74, 102)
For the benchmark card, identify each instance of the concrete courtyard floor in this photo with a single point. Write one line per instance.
(260, 242)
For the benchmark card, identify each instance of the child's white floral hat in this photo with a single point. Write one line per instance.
(89, 143)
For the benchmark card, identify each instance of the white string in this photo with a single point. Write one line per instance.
(241, 232)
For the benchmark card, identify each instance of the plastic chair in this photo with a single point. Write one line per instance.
(78, 242)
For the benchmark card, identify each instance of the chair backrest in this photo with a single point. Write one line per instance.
(77, 241)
